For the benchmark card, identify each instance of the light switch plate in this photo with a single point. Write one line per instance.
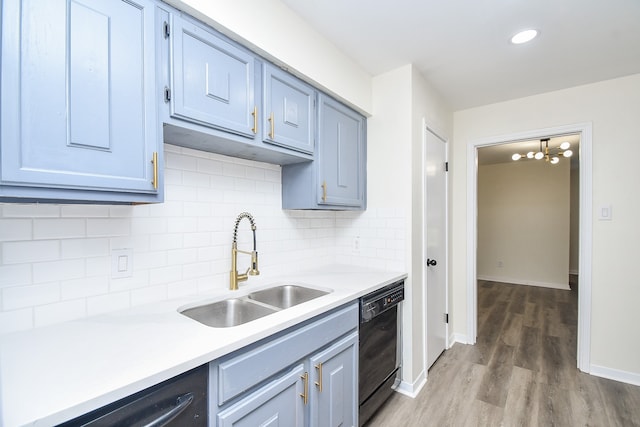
(604, 213)
(121, 263)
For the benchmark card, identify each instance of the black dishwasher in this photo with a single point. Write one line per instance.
(177, 402)
(379, 363)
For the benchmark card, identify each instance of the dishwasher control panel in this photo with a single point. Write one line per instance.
(380, 301)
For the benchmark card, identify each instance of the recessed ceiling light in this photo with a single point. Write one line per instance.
(524, 36)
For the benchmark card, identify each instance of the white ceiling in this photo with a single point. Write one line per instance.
(462, 46)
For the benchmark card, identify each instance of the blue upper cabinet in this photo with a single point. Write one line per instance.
(288, 111)
(213, 80)
(78, 108)
(336, 179)
(341, 155)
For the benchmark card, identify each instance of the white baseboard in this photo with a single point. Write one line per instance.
(563, 286)
(412, 389)
(461, 338)
(615, 374)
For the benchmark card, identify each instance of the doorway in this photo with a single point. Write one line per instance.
(585, 235)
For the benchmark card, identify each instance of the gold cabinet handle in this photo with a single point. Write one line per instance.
(272, 132)
(324, 191)
(319, 382)
(255, 119)
(305, 394)
(154, 161)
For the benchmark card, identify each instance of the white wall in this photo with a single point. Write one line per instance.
(613, 108)
(401, 100)
(55, 260)
(523, 223)
(271, 29)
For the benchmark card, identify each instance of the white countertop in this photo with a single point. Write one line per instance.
(52, 374)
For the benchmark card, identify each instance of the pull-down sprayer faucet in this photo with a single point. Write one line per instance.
(253, 269)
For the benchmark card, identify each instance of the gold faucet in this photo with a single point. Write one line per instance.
(253, 270)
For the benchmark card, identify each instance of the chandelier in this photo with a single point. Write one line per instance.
(551, 155)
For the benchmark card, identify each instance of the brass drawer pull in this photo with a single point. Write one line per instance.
(154, 161)
(319, 382)
(255, 119)
(305, 394)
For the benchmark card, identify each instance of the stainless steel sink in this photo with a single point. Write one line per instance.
(286, 296)
(227, 313)
(236, 311)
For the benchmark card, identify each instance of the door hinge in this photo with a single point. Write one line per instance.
(167, 29)
(446, 166)
(167, 94)
(446, 318)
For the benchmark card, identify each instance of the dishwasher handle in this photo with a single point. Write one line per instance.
(182, 402)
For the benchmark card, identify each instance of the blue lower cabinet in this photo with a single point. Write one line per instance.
(287, 381)
(334, 386)
(277, 404)
(78, 108)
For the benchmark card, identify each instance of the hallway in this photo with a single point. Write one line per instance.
(521, 372)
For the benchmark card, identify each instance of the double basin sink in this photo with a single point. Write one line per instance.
(238, 310)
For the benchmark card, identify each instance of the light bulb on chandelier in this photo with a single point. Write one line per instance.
(551, 155)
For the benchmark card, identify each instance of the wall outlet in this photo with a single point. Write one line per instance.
(121, 263)
(355, 245)
(500, 264)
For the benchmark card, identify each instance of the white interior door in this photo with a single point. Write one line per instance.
(436, 245)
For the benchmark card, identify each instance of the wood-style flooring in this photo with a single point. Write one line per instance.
(521, 372)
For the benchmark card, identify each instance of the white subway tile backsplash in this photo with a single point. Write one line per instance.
(112, 301)
(195, 270)
(209, 166)
(98, 266)
(146, 225)
(97, 227)
(15, 229)
(162, 275)
(140, 279)
(234, 169)
(149, 295)
(182, 256)
(81, 248)
(180, 193)
(16, 297)
(30, 251)
(37, 210)
(196, 179)
(84, 287)
(180, 161)
(182, 288)
(58, 228)
(180, 247)
(58, 270)
(159, 242)
(150, 260)
(15, 275)
(83, 211)
(196, 240)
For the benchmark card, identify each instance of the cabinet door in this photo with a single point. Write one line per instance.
(78, 95)
(288, 111)
(277, 404)
(213, 81)
(341, 155)
(334, 385)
